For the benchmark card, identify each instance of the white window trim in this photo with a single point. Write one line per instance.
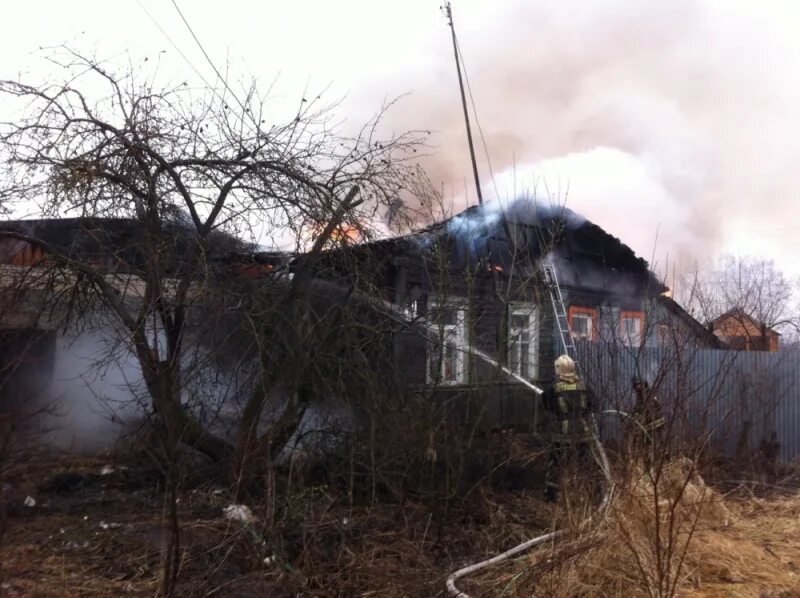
(530, 310)
(460, 337)
(410, 309)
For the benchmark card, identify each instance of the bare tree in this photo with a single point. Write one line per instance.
(204, 162)
(746, 287)
(190, 171)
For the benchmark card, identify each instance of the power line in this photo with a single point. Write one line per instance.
(172, 43)
(537, 231)
(194, 68)
(214, 67)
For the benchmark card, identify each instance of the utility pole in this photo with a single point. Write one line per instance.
(449, 13)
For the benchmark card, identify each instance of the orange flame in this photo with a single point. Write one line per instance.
(346, 234)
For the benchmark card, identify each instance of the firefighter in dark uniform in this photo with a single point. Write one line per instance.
(569, 403)
(648, 421)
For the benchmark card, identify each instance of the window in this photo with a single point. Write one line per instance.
(412, 303)
(583, 322)
(446, 362)
(522, 337)
(411, 309)
(631, 327)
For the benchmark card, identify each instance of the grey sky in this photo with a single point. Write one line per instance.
(678, 117)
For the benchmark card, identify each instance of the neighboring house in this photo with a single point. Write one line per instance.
(741, 332)
(677, 327)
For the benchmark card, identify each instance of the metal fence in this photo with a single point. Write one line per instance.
(738, 400)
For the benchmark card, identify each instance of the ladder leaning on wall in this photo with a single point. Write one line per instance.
(559, 311)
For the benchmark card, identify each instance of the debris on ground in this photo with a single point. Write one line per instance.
(240, 513)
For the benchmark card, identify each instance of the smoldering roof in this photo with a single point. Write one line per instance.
(523, 232)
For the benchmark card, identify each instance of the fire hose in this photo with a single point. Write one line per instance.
(601, 458)
(630, 417)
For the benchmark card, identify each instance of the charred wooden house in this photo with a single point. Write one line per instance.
(476, 315)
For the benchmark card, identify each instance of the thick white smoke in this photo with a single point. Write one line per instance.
(672, 125)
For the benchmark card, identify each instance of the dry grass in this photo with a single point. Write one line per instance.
(673, 537)
(744, 546)
(323, 545)
(758, 555)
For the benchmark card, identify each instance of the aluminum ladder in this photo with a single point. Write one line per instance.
(559, 311)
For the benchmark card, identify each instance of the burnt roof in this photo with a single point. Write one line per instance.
(586, 256)
(91, 238)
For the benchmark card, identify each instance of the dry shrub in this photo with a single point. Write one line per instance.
(653, 523)
(668, 534)
(639, 546)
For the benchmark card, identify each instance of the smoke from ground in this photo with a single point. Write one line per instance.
(669, 120)
(97, 393)
(92, 394)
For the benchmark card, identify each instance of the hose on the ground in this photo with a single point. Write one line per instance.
(602, 460)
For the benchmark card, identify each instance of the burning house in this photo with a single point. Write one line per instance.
(461, 309)
(474, 318)
(476, 280)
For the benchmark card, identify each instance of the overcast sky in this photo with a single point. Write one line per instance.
(676, 121)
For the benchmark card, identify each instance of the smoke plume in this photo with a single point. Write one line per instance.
(671, 125)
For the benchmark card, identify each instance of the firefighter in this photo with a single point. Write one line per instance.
(570, 405)
(648, 421)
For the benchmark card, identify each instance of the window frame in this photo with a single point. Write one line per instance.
(531, 311)
(460, 330)
(580, 310)
(411, 309)
(631, 315)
